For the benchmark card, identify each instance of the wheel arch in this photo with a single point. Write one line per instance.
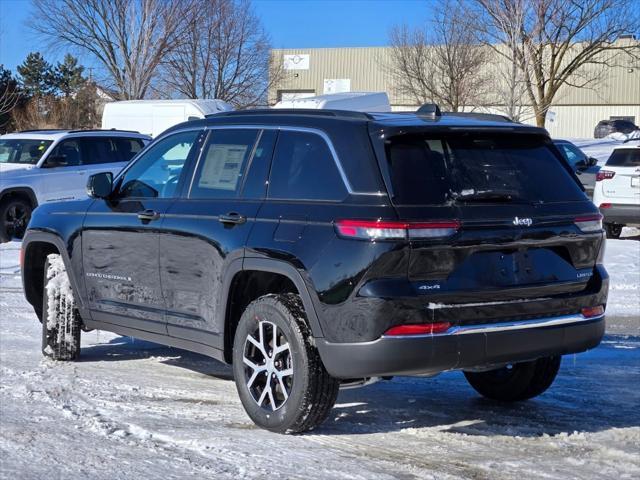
(36, 246)
(250, 278)
(24, 192)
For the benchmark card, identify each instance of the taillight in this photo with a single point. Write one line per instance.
(418, 329)
(385, 230)
(592, 223)
(590, 312)
(604, 175)
(605, 205)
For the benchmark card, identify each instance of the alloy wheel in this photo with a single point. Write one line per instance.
(15, 220)
(268, 366)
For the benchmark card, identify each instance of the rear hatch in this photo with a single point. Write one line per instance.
(526, 229)
(622, 175)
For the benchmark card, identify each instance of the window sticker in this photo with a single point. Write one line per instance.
(222, 167)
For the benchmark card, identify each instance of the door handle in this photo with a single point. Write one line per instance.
(148, 215)
(232, 218)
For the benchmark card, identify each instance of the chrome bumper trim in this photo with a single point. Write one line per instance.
(508, 326)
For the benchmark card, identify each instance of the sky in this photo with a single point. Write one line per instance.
(290, 23)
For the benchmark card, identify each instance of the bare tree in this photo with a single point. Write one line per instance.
(509, 89)
(225, 54)
(442, 63)
(130, 38)
(559, 42)
(9, 98)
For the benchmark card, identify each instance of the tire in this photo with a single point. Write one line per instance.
(61, 323)
(614, 230)
(516, 382)
(15, 214)
(301, 394)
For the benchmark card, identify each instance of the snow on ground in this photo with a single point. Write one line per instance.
(134, 409)
(599, 148)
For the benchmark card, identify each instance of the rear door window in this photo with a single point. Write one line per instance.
(97, 150)
(435, 170)
(304, 169)
(221, 168)
(624, 157)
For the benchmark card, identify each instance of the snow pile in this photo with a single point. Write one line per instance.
(624, 136)
(598, 148)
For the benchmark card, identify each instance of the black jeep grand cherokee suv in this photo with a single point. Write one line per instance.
(312, 249)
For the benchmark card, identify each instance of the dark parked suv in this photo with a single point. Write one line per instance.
(607, 127)
(314, 249)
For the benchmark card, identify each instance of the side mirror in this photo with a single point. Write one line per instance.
(582, 164)
(56, 161)
(100, 185)
(592, 161)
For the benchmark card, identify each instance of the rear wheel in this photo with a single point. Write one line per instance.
(519, 381)
(15, 214)
(613, 230)
(281, 380)
(61, 323)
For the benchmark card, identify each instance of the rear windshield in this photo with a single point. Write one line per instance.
(438, 169)
(626, 157)
(22, 150)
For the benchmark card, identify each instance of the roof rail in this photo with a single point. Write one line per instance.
(481, 116)
(102, 130)
(33, 130)
(294, 111)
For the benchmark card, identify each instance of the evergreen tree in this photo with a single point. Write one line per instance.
(68, 76)
(36, 76)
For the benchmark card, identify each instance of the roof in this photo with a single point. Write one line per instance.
(318, 118)
(58, 134)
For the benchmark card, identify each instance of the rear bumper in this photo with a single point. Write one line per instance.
(622, 214)
(463, 347)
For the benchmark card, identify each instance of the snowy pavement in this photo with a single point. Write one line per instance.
(134, 409)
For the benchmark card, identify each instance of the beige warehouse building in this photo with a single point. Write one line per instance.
(574, 114)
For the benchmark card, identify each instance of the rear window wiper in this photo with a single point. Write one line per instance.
(472, 195)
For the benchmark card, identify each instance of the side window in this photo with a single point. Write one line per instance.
(303, 168)
(572, 156)
(221, 168)
(66, 153)
(156, 173)
(96, 150)
(127, 147)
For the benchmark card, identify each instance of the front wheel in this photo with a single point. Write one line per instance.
(280, 378)
(516, 382)
(614, 230)
(15, 214)
(61, 323)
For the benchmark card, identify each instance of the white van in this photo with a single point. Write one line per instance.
(353, 101)
(152, 117)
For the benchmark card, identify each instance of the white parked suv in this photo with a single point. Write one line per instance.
(39, 166)
(617, 190)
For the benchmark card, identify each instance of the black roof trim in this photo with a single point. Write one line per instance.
(103, 130)
(294, 111)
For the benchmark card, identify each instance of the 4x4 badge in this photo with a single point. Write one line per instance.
(522, 222)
